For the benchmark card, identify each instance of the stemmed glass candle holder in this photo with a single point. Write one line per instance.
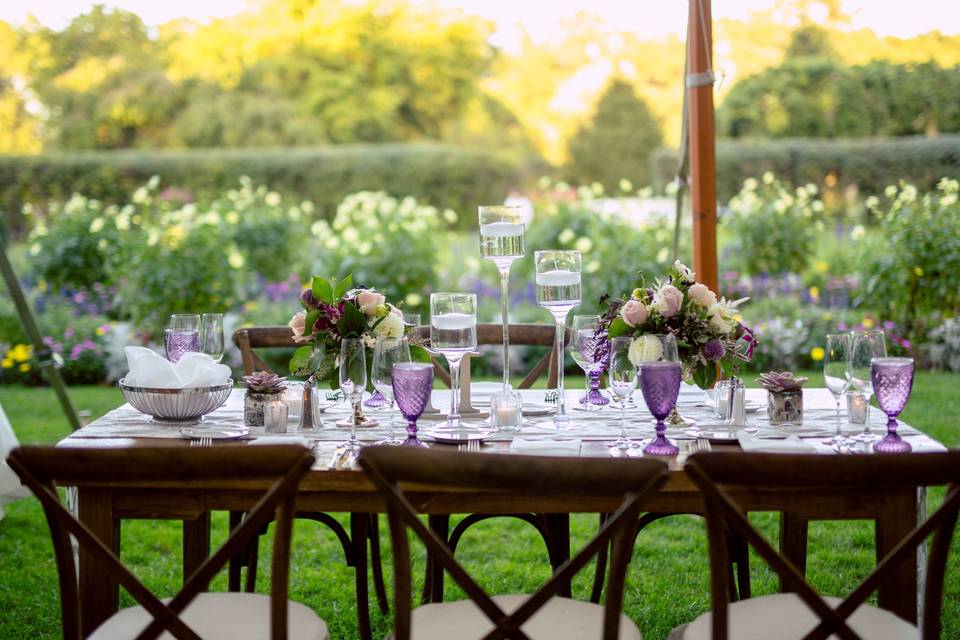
(659, 363)
(864, 347)
(453, 332)
(589, 347)
(182, 335)
(211, 335)
(412, 385)
(622, 373)
(836, 362)
(353, 380)
(558, 290)
(386, 353)
(501, 242)
(892, 382)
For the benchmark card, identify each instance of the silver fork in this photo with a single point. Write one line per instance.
(470, 446)
(202, 442)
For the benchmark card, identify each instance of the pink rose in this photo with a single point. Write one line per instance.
(298, 324)
(701, 294)
(668, 300)
(368, 301)
(634, 313)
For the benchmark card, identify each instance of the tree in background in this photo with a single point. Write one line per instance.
(809, 41)
(617, 142)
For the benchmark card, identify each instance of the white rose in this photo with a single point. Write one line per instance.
(645, 349)
(390, 326)
(720, 321)
(701, 294)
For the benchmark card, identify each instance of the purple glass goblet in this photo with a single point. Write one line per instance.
(376, 400)
(660, 384)
(412, 385)
(179, 342)
(892, 382)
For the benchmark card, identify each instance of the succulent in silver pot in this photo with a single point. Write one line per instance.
(262, 387)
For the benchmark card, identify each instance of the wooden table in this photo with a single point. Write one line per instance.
(103, 507)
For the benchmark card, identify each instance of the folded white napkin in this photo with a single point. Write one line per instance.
(790, 444)
(546, 447)
(691, 394)
(150, 370)
(300, 440)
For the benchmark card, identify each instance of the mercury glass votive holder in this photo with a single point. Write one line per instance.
(275, 416)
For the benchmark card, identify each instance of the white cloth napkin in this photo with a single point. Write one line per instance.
(150, 370)
(790, 444)
(10, 487)
(691, 394)
(546, 447)
(300, 440)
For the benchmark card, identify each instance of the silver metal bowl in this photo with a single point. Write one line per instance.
(177, 406)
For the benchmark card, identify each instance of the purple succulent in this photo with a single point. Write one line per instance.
(713, 350)
(263, 382)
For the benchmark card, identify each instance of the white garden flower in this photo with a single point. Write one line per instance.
(645, 349)
(389, 327)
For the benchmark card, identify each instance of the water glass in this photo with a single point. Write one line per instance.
(412, 386)
(623, 376)
(453, 332)
(864, 347)
(411, 325)
(892, 382)
(659, 363)
(386, 353)
(590, 350)
(558, 291)
(353, 381)
(211, 335)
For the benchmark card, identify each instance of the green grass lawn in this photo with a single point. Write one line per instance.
(668, 582)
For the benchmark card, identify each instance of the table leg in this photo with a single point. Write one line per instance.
(433, 581)
(898, 593)
(559, 527)
(793, 541)
(99, 595)
(196, 544)
(358, 537)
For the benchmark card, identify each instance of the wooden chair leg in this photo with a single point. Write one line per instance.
(377, 564)
(433, 580)
(237, 562)
(600, 571)
(359, 524)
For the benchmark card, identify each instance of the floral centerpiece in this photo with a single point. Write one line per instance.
(334, 310)
(711, 341)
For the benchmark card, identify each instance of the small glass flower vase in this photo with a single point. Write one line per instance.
(253, 407)
(785, 407)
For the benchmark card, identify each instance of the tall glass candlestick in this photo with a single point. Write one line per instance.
(501, 242)
(453, 332)
(558, 290)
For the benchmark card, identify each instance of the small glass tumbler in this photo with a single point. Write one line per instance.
(721, 400)
(506, 411)
(275, 416)
(857, 408)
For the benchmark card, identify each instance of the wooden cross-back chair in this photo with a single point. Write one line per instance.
(540, 615)
(804, 613)
(192, 613)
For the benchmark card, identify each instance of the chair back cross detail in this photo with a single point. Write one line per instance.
(626, 481)
(278, 467)
(720, 475)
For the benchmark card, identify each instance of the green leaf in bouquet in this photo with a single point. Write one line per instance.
(322, 290)
(311, 319)
(353, 323)
(705, 376)
(618, 328)
(343, 286)
(300, 362)
(419, 354)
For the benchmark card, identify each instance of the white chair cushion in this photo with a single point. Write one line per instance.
(231, 616)
(785, 616)
(559, 619)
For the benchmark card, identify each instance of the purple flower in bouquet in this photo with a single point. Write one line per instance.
(713, 350)
(308, 300)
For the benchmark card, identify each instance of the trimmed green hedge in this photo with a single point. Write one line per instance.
(441, 175)
(870, 164)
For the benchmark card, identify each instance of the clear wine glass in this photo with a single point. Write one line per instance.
(411, 325)
(501, 242)
(353, 381)
(864, 347)
(588, 343)
(659, 363)
(182, 335)
(892, 382)
(211, 335)
(453, 332)
(558, 290)
(386, 353)
(623, 376)
(836, 358)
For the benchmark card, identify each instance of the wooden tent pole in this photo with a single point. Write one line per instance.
(703, 160)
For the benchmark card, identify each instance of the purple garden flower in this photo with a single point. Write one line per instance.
(713, 350)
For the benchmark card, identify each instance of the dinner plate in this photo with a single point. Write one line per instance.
(323, 406)
(751, 406)
(538, 410)
(458, 436)
(195, 433)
